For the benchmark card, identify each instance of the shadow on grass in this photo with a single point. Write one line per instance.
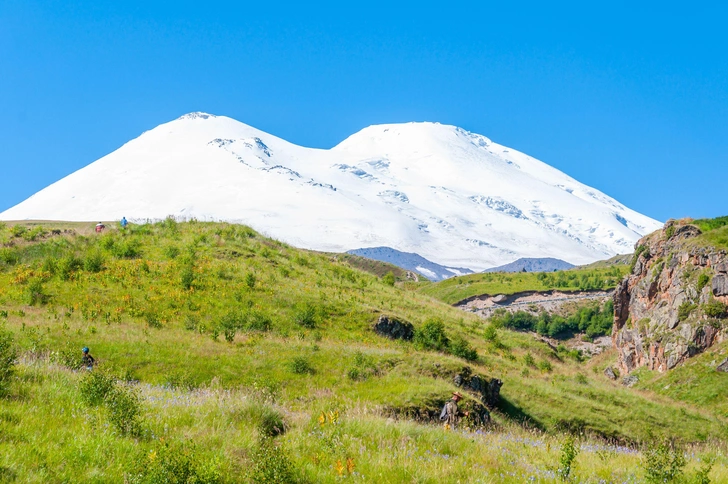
(517, 414)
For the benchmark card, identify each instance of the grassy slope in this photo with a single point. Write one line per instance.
(111, 312)
(457, 289)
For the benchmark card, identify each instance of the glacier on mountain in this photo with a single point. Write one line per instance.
(451, 196)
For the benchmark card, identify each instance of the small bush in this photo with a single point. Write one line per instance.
(187, 276)
(94, 388)
(305, 315)
(171, 251)
(35, 293)
(703, 280)
(715, 309)
(301, 366)
(490, 333)
(126, 249)
(7, 361)
(528, 360)
(250, 280)
(663, 463)
(94, 262)
(461, 348)
(258, 321)
(68, 356)
(389, 278)
(152, 319)
(172, 462)
(271, 465)
(569, 451)
(67, 266)
(432, 336)
(545, 365)
(124, 410)
(9, 256)
(684, 310)
(18, 230)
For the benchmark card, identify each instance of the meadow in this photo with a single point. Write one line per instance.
(226, 356)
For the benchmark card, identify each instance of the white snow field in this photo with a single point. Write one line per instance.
(451, 196)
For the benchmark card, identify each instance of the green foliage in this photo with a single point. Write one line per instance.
(462, 349)
(124, 409)
(567, 456)
(545, 366)
(528, 360)
(703, 280)
(707, 225)
(305, 315)
(301, 366)
(258, 321)
(171, 462)
(18, 230)
(684, 310)
(127, 248)
(669, 232)
(271, 465)
(35, 293)
(94, 262)
(490, 333)
(642, 249)
(592, 319)
(250, 280)
(9, 256)
(715, 309)
(94, 387)
(171, 251)
(8, 356)
(67, 266)
(663, 463)
(388, 278)
(432, 336)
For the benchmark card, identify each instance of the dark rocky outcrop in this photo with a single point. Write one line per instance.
(661, 315)
(487, 388)
(723, 366)
(394, 328)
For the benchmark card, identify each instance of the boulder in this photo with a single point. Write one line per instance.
(723, 366)
(394, 328)
(720, 285)
(721, 267)
(629, 380)
(609, 372)
(478, 414)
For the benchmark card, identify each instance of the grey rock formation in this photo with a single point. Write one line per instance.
(723, 366)
(609, 372)
(630, 380)
(720, 285)
(394, 328)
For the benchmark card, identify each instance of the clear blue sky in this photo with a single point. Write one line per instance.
(632, 100)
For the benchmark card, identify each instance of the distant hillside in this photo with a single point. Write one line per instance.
(528, 264)
(412, 262)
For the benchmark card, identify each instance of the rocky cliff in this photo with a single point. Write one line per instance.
(673, 304)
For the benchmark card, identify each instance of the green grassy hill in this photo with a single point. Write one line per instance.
(226, 356)
(456, 289)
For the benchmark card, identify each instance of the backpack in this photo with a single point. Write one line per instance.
(443, 414)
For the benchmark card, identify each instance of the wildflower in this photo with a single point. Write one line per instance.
(322, 419)
(349, 465)
(339, 467)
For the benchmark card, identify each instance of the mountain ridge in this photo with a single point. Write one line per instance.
(454, 197)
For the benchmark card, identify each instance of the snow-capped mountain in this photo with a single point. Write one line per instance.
(452, 196)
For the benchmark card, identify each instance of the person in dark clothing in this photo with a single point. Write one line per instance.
(88, 360)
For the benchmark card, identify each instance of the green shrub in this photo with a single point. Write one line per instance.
(94, 262)
(267, 421)
(67, 266)
(250, 280)
(18, 230)
(152, 319)
(69, 356)
(258, 321)
(669, 232)
(663, 463)
(301, 366)
(568, 454)
(34, 234)
(490, 333)
(684, 310)
(389, 278)
(171, 462)
(9, 256)
(35, 293)
(8, 355)
(545, 366)
(187, 276)
(126, 249)
(271, 465)
(124, 410)
(528, 360)
(462, 349)
(94, 387)
(171, 251)
(715, 309)
(703, 280)
(305, 315)
(432, 336)
(642, 249)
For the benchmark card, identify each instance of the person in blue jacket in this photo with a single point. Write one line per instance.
(123, 222)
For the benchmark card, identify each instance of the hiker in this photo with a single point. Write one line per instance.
(450, 413)
(100, 227)
(123, 222)
(88, 360)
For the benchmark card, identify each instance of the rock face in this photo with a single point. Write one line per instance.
(665, 310)
(394, 328)
(723, 366)
(488, 389)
